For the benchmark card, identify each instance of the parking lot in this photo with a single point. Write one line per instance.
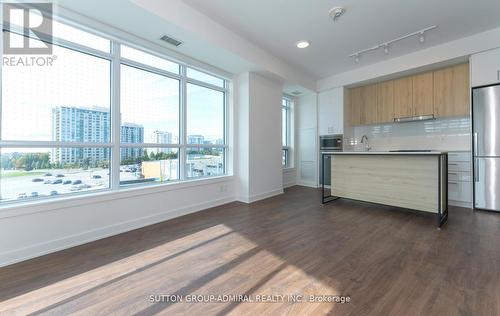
(23, 186)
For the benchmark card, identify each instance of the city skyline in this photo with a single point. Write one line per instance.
(93, 124)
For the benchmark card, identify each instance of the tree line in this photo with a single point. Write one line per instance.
(152, 156)
(36, 161)
(26, 161)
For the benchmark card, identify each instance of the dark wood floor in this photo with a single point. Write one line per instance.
(389, 261)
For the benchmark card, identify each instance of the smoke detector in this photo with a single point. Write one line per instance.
(336, 12)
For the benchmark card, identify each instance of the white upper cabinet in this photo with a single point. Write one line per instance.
(485, 68)
(331, 111)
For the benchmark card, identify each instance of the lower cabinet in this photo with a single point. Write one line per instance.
(459, 179)
(459, 191)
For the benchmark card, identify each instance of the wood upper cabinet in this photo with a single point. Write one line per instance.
(444, 93)
(385, 101)
(369, 104)
(403, 90)
(451, 91)
(423, 103)
(356, 103)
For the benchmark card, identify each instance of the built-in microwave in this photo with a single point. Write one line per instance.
(330, 142)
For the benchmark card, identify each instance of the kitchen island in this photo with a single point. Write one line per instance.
(411, 180)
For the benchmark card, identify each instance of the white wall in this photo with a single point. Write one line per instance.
(307, 140)
(258, 120)
(241, 135)
(266, 176)
(451, 134)
(31, 231)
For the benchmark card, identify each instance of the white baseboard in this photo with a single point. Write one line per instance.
(260, 196)
(265, 195)
(289, 184)
(44, 248)
(307, 184)
(460, 204)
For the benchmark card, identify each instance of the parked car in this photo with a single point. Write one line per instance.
(96, 176)
(84, 186)
(52, 193)
(22, 196)
(34, 194)
(59, 175)
(48, 174)
(75, 188)
(77, 182)
(57, 181)
(67, 182)
(37, 180)
(47, 182)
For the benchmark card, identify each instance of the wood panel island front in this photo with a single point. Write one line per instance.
(411, 180)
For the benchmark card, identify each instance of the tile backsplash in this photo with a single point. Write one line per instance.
(451, 134)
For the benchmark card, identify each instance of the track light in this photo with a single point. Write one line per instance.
(387, 45)
(421, 38)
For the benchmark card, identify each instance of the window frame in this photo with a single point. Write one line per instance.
(114, 144)
(287, 148)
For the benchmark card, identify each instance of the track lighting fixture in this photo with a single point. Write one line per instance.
(386, 45)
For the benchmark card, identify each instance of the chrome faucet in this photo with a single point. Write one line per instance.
(364, 140)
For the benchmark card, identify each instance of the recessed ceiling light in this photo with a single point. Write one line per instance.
(303, 44)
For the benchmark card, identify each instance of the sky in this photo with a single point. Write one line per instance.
(81, 80)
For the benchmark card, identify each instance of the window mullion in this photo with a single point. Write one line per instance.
(183, 124)
(1, 85)
(115, 115)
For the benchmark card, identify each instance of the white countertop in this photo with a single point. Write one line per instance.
(388, 153)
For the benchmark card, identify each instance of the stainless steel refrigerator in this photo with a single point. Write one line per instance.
(486, 147)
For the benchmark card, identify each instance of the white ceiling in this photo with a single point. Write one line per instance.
(205, 41)
(127, 16)
(276, 25)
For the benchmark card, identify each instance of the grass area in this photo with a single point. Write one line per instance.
(19, 173)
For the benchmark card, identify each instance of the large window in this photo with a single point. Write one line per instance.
(150, 109)
(286, 132)
(205, 131)
(103, 116)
